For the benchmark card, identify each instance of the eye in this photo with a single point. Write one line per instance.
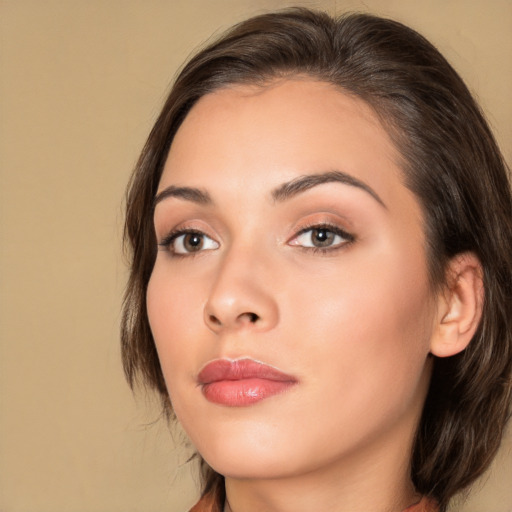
(188, 242)
(322, 237)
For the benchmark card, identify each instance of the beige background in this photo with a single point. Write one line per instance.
(81, 83)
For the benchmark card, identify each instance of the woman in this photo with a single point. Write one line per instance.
(321, 284)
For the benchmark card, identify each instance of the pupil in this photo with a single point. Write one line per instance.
(193, 242)
(322, 237)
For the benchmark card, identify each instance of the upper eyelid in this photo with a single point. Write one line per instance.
(334, 227)
(193, 225)
(324, 214)
(320, 225)
(173, 234)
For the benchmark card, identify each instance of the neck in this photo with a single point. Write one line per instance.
(376, 477)
(317, 492)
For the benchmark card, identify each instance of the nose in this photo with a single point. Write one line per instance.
(242, 296)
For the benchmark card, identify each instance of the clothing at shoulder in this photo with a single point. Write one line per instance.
(425, 505)
(210, 503)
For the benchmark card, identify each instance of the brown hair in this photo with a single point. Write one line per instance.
(450, 161)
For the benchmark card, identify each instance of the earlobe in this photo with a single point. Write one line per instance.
(460, 305)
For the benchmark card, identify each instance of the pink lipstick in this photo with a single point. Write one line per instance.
(241, 382)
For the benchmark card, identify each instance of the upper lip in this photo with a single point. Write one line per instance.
(239, 369)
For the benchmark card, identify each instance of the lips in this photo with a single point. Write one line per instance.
(242, 382)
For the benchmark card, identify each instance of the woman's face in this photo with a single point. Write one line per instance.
(288, 238)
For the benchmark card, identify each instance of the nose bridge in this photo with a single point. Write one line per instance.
(242, 295)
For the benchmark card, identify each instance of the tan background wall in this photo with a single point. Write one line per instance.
(81, 82)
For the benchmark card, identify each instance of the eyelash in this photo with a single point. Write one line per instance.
(334, 229)
(167, 242)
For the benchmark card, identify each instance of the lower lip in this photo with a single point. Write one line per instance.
(242, 392)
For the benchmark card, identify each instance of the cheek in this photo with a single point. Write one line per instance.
(369, 329)
(175, 315)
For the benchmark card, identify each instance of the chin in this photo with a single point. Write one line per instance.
(242, 450)
(252, 464)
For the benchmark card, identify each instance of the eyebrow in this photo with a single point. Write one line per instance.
(307, 182)
(282, 193)
(195, 195)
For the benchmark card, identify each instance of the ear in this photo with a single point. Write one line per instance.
(459, 306)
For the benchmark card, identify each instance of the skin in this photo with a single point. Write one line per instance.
(354, 323)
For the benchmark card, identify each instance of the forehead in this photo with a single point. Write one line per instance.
(259, 136)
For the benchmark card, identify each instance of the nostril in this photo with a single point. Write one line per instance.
(250, 317)
(214, 320)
